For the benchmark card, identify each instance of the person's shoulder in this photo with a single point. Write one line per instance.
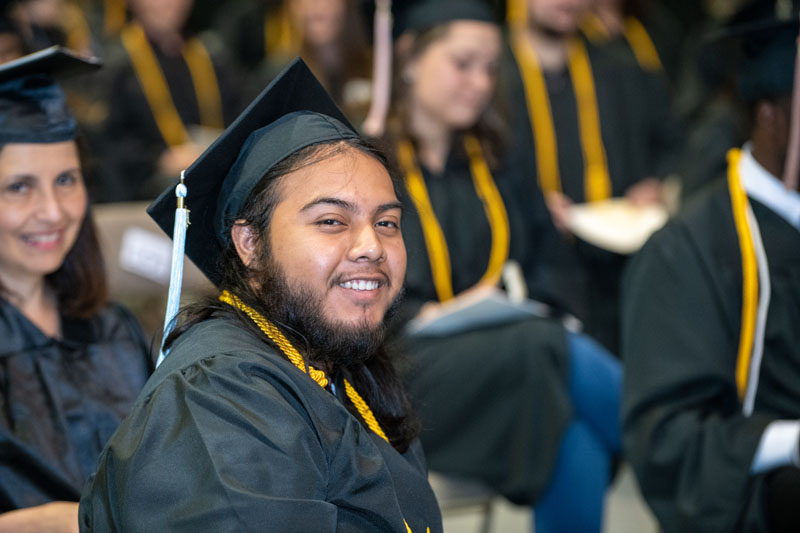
(223, 343)
(703, 225)
(113, 322)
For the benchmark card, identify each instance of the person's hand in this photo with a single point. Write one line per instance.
(559, 206)
(645, 192)
(178, 158)
(54, 517)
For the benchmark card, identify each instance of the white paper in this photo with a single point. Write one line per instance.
(146, 254)
(616, 224)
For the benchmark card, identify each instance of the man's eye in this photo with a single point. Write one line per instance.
(390, 224)
(329, 222)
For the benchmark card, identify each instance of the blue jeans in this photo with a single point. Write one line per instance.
(573, 501)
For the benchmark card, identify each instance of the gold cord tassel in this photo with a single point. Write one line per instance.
(276, 336)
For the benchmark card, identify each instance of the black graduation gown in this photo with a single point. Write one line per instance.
(641, 137)
(684, 431)
(228, 435)
(61, 400)
(492, 401)
(130, 142)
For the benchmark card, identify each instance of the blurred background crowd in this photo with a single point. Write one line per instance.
(177, 72)
(501, 127)
(216, 56)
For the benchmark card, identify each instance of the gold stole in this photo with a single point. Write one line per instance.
(114, 19)
(156, 91)
(635, 33)
(750, 287)
(291, 353)
(486, 189)
(597, 182)
(280, 36)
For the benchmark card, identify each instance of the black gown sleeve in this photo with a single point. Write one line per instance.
(223, 446)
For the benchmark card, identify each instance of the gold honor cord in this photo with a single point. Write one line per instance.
(280, 37)
(635, 33)
(541, 116)
(486, 189)
(156, 91)
(516, 13)
(114, 19)
(77, 28)
(597, 182)
(206, 85)
(494, 208)
(438, 254)
(749, 272)
(642, 45)
(291, 353)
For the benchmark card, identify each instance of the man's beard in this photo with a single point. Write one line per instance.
(298, 312)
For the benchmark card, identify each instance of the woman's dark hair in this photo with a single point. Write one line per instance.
(80, 283)
(489, 129)
(376, 379)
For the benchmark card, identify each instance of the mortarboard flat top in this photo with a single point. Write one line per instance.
(420, 15)
(32, 105)
(293, 112)
(56, 61)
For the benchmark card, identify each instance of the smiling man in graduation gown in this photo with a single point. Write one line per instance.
(711, 341)
(277, 408)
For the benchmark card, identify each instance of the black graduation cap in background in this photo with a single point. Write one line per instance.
(32, 105)
(419, 15)
(765, 32)
(293, 112)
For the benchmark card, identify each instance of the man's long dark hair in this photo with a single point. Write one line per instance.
(375, 379)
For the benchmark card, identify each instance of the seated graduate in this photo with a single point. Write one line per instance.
(168, 91)
(596, 126)
(71, 363)
(516, 402)
(277, 407)
(711, 308)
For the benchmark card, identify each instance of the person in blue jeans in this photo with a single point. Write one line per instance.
(521, 404)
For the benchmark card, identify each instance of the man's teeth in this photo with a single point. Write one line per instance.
(360, 285)
(42, 238)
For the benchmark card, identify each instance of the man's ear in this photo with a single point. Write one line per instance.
(244, 239)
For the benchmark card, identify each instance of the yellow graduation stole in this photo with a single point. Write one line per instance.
(291, 353)
(114, 19)
(486, 189)
(156, 91)
(750, 266)
(634, 32)
(597, 182)
(280, 35)
(275, 335)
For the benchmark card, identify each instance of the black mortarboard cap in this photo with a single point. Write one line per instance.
(293, 112)
(32, 105)
(766, 33)
(421, 15)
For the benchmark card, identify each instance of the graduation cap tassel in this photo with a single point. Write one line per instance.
(382, 70)
(176, 272)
